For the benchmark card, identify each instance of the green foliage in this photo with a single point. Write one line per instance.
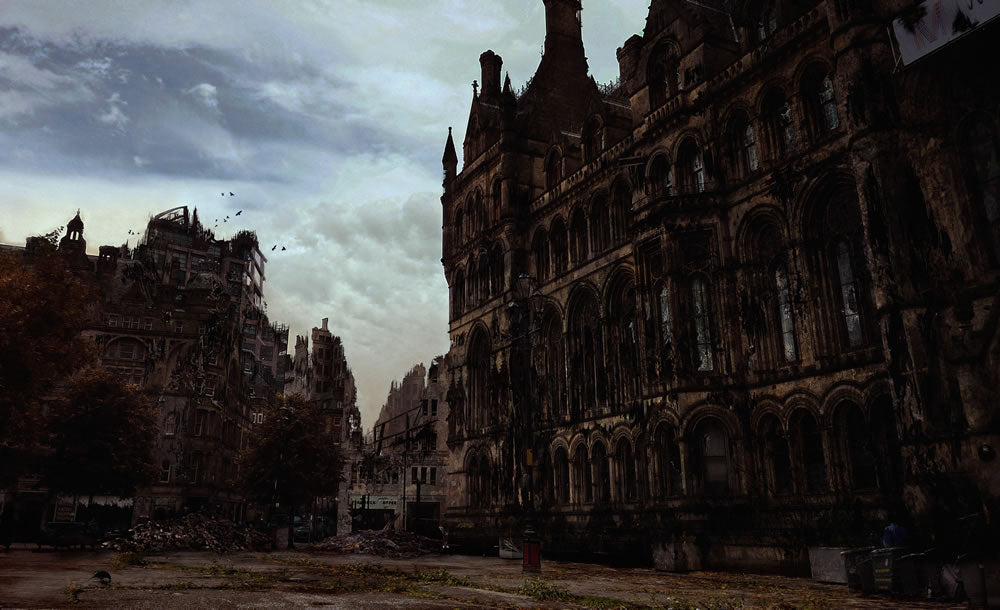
(120, 561)
(290, 459)
(544, 591)
(439, 576)
(101, 435)
(73, 591)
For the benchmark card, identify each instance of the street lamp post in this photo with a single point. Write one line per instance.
(526, 309)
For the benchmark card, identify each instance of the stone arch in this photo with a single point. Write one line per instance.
(702, 410)
(766, 407)
(844, 391)
(762, 215)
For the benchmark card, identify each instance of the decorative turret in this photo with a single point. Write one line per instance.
(562, 24)
(73, 242)
(450, 159)
(491, 65)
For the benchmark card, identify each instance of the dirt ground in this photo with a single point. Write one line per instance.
(297, 579)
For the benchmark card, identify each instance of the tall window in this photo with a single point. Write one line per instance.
(623, 348)
(586, 356)
(777, 459)
(859, 448)
(714, 446)
(553, 171)
(768, 23)
(700, 301)
(662, 75)
(666, 347)
(600, 224)
(560, 250)
(496, 197)
(849, 295)
(828, 103)
(561, 476)
(165, 471)
(810, 452)
(497, 283)
(625, 475)
(621, 203)
(690, 168)
(780, 124)
(479, 370)
(458, 293)
(602, 473)
(540, 254)
(749, 146)
(554, 366)
(785, 313)
(659, 176)
(593, 138)
(170, 424)
(578, 236)
(982, 147)
(668, 462)
(583, 486)
(459, 226)
(819, 101)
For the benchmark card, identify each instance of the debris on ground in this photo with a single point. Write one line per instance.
(384, 543)
(192, 532)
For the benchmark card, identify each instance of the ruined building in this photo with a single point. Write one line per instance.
(181, 316)
(766, 262)
(402, 475)
(323, 375)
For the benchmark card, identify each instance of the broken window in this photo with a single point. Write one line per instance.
(602, 473)
(600, 224)
(554, 368)
(690, 168)
(165, 471)
(561, 477)
(621, 203)
(578, 237)
(623, 338)
(625, 480)
(714, 447)
(666, 334)
(780, 124)
(777, 460)
(742, 146)
(860, 451)
(785, 313)
(810, 451)
(700, 298)
(668, 462)
(660, 179)
(540, 254)
(583, 487)
(586, 365)
(560, 250)
(478, 365)
(662, 76)
(170, 424)
(849, 295)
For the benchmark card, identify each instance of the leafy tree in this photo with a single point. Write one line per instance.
(101, 434)
(43, 309)
(290, 459)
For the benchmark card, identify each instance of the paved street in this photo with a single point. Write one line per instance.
(295, 579)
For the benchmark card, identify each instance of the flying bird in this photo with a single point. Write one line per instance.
(232, 194)
(273, 247)
(283, 248)
(103, 576)
(223, 194)
(240, 212)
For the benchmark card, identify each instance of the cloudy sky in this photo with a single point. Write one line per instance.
(327, 118)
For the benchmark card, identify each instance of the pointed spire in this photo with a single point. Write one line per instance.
(450, 159)
(506, 84)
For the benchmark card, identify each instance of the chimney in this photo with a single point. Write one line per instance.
(562, 23)
(325, 320)
(491, 63)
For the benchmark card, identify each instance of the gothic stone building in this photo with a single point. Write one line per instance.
(768, 257)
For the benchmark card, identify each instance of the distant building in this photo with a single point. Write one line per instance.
(403, 474)
(323, 375)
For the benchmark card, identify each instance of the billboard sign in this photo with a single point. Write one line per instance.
(932, 24)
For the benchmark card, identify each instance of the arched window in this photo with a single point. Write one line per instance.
(690, 168)
(540, 254)
(625, 488)
(835, 249)
(786, 314)
(458, 293)
(809, 451)
(587, 374)
(554, 366)
(600, 224)
(478, 364)
(583, 487)
(459, 226)
(126, 349)
(660, 179)
(553, 169)
(819, 101)
(559, 247)
(666, 333)
(561, 476)
(497, 283)
(480, 207)
(780, 126)
(496, 200)
(742, 145)
(849, 294)
(602, 473)
(472, 285)
(702, 320)
(776, 456)
(858, 442)
(484, 277)
(623, 344)
(621, 203)
(472, 481)
(713, 444)
(668, 463)
(593, 138)
(662, 76)
(982, 153)
(578, 237)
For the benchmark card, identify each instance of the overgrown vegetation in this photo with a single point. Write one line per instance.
(73, 592)
(120, 561)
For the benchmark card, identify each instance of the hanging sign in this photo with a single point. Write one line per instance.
(932, 24)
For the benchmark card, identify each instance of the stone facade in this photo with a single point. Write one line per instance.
(767, 259)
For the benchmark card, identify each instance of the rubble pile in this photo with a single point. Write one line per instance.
(384, 543)
(191, 532)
